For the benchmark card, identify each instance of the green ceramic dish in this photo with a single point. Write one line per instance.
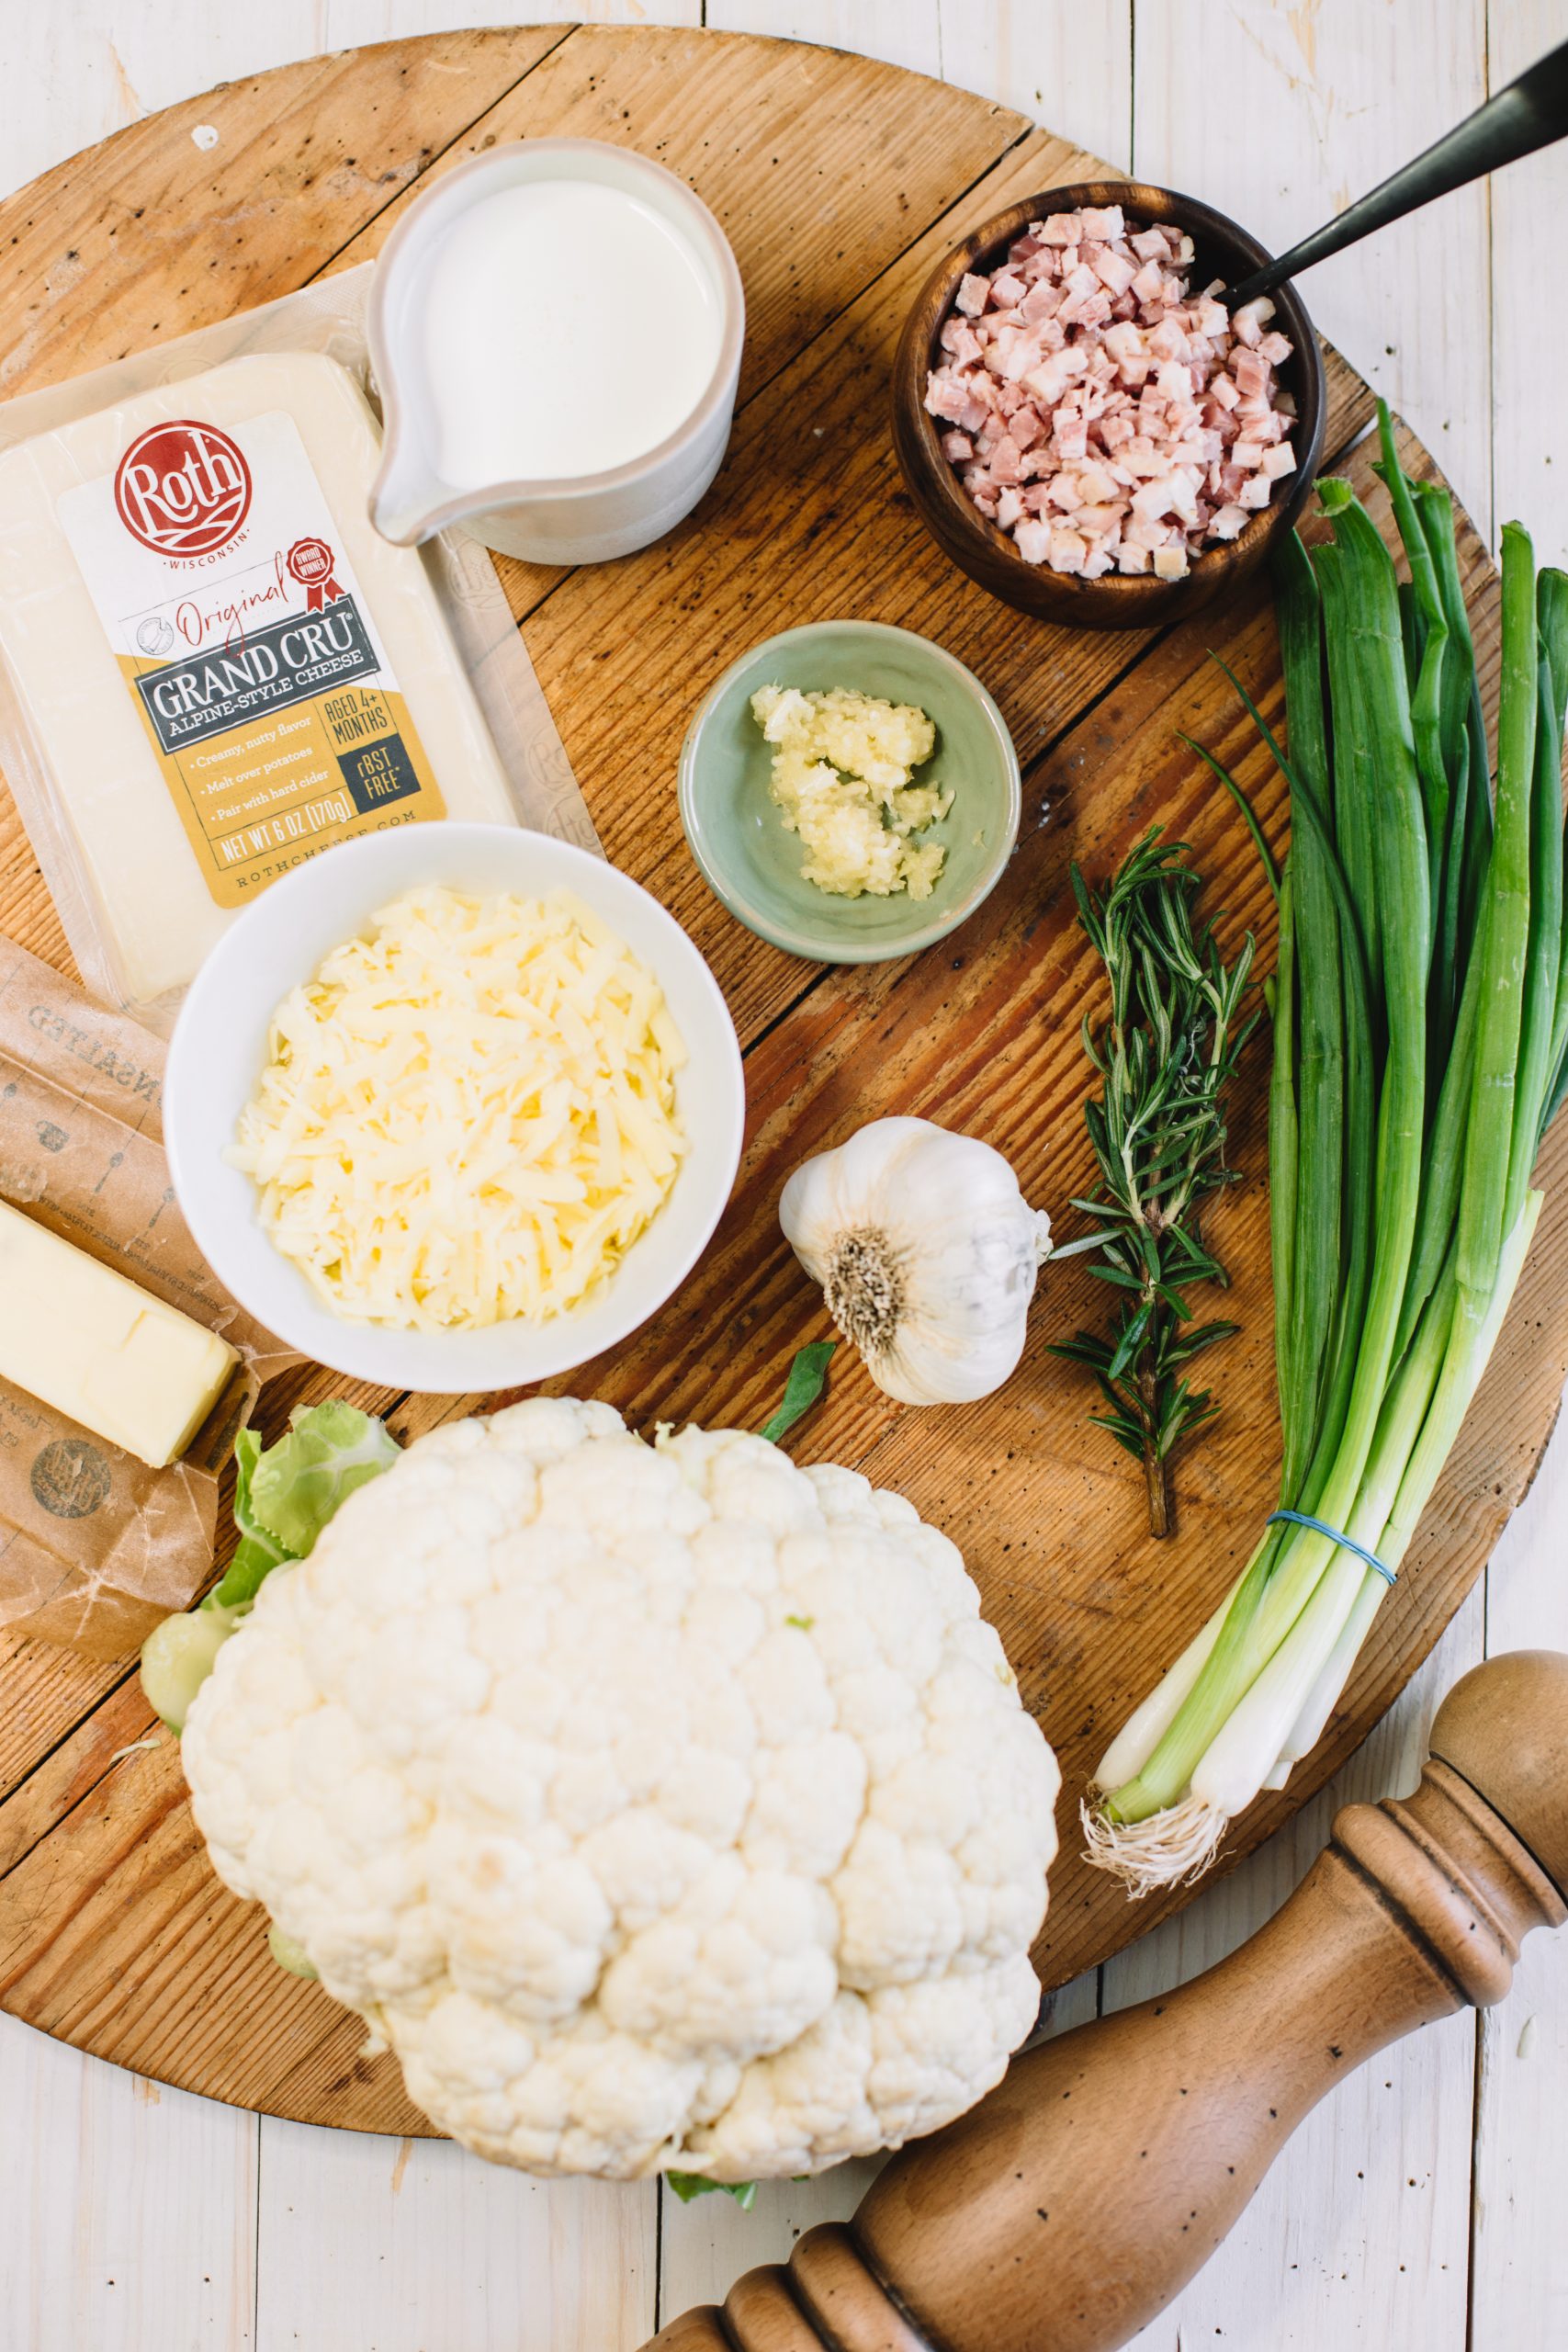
(739, 840)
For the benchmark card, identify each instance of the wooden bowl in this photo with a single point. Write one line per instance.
(983, 549)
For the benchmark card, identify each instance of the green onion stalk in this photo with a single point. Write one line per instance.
(1420, 1052)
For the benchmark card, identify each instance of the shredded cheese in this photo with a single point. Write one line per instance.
(467, 1115)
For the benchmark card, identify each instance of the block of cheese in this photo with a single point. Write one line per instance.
(219, 667)
(90, 1342)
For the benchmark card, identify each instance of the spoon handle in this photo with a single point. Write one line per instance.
(1530, 113)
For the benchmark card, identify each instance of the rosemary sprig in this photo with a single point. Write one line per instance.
(1158, 1126)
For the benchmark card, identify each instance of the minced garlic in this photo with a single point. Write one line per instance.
(842, 764)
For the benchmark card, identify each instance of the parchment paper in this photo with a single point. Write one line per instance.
(94, 1547)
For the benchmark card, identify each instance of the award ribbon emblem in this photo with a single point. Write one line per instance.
(310, 562)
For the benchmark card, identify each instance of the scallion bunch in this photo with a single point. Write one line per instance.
(1420, 1051)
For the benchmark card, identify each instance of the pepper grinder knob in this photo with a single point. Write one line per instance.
(1073, 2204)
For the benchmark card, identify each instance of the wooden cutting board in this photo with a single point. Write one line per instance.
(839, 182)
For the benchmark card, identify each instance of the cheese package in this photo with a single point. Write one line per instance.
(211, 664)
(85, 1340)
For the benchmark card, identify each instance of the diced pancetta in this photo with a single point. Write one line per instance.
(1101, 413)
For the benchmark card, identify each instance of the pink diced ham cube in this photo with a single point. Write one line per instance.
(946, 395)
(1251, 372)
(1168, 340)
(1051, 378)
(1042, 300)
(1095, 484)
(1004, 466)
(1113, 269)
(1100, 412)
(1248, 323)
(1096, 311)
(1070, 437)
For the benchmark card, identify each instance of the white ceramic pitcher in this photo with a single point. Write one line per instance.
(581, 519)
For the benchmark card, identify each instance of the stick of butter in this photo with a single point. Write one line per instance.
(88, 1341)
(218, 665)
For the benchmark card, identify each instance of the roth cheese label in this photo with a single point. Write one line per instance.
(244, 639)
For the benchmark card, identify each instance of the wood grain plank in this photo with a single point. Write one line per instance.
(903, 32)
(126, 1873)
(130, 2209)
(302, 161)
(1528, 342)
(1357, 2236)
(1303, 106)
(47, 1693)
(417, 2247)
(123, 62)
(128, 58)
(1055, 59)
(1519, 2257)
(821, 170)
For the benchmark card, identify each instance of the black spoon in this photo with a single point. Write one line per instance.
(1530, 113)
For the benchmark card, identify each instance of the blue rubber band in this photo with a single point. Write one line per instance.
(1345, 1542)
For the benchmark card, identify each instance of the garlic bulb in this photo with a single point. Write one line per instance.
(927, 1253)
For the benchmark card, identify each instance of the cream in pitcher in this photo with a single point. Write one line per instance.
(556, 328)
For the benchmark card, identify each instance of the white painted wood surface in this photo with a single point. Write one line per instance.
(1421, 2206)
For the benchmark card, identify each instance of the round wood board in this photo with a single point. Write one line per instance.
(839, 182)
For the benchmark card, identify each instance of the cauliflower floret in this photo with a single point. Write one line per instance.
(661, 1806)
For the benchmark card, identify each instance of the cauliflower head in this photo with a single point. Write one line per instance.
(660, 1805)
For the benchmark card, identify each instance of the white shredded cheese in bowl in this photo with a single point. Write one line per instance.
(468, 1113)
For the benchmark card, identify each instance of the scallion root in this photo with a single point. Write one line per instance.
(1167, 1849)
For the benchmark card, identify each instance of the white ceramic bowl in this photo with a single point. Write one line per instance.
(219, 1050)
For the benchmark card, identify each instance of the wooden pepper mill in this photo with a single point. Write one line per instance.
(1071, 2205)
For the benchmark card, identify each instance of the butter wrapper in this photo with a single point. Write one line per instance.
(94, 1547)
